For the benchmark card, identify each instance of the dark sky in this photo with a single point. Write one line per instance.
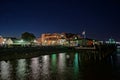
(99, 18)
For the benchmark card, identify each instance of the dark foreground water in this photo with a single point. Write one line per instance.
(62, 66)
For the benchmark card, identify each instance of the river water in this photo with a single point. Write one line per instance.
(62, 66)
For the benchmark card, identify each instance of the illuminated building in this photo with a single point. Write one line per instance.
(9, 42)
(111, 41)
(1, 40)
(66, 39)
(16, 42)
(52, 39)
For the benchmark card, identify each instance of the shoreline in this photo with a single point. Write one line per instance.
(29, 52)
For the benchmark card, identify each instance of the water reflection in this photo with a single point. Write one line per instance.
(76, 64)
(5, 70)
(35, 68)
(61, 66)
(70, 59)
(61, 62)
(45, 67)
(54, 62)
(21, 69)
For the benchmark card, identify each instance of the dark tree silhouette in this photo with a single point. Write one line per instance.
(69, 36)
(28, 36)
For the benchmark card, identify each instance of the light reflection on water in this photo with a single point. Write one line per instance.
(53, 63)
(21, 69)
(62, 66)
(76, 64)
(45, 68)
(5, 70)
(62, 62)
(35, 67)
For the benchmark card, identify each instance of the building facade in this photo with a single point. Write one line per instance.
(1, 41)
(66, 39)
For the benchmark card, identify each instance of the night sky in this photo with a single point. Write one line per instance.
(99, 18)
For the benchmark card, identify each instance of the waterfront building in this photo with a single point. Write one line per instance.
(111, 41)
(38, 41)
(10, 41)
(1, 40)
(66, 39)
(50, 39)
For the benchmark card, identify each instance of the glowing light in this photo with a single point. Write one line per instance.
(61, 62)
(21, 41)
(76, 64)
(35, 68)
(46, 65)
(5, 70)
(54, 61)
(21, 69)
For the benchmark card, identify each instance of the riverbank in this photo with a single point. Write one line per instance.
(44, 49)
(28, 52)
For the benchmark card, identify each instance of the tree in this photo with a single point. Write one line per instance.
(28, 36)
(69, 36)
